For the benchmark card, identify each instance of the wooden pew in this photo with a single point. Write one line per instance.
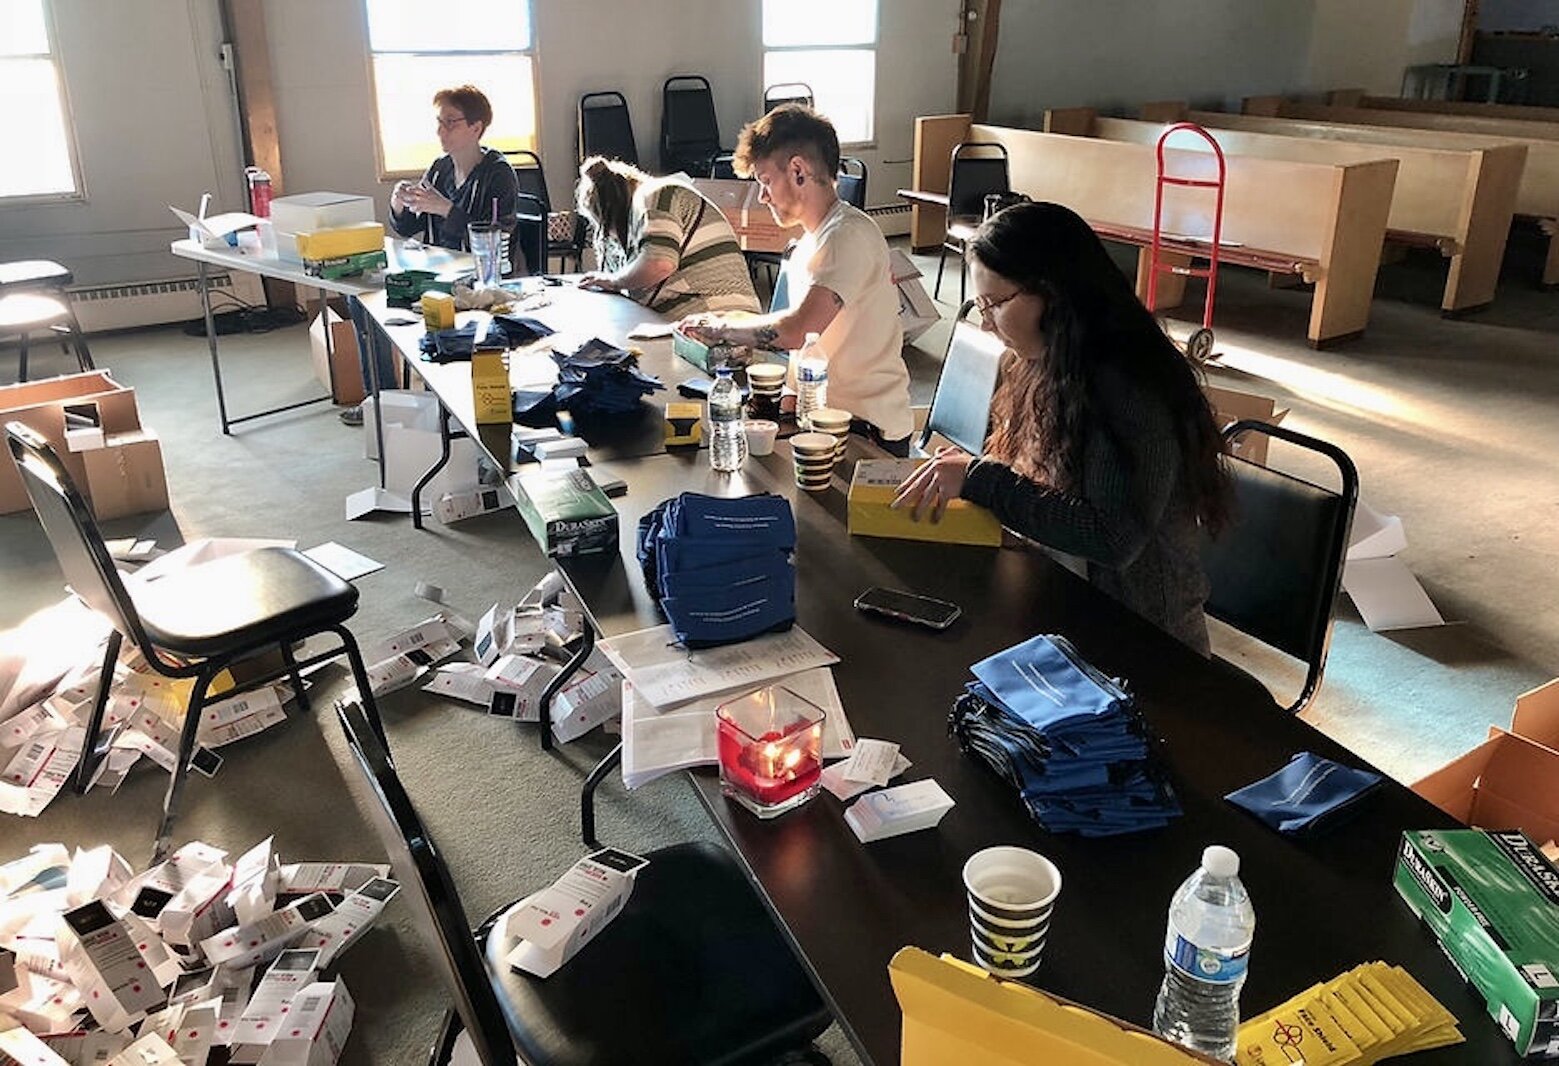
(1520, 112)
(1537, 198)
(1323, 222)
(1459, 201)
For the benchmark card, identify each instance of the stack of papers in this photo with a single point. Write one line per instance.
(1370, 1013)
(1067, 737)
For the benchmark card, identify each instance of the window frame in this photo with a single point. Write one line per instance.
(874, 46)
(78, 193)
(387, 176)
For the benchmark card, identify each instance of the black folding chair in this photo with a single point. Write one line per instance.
(851, 183)
(787, 92)
(689, 129)
(692, 970)
(961, 406)
(189, 624)
(533, 183)
(978, 169)
(605, 128)
(724, 166)
(1276, 570)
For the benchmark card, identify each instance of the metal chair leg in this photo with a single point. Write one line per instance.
(613, 759)
(21, 365)
(87, 764)
(936, 292)
(563, 676)
(963, 280)
(364, 691)
(170, 801)
(79, 340)
(297, 678)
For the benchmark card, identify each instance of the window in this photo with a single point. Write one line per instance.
(415, 54)
(830, 45)
(34, 134)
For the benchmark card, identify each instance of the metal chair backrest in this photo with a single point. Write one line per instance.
(73, 533)
(961, 406)
(851, 182)
(528, 172)
(689, 128)
(530, 234)
(978, 169)
(1275, 572)
(787, 92)
(605, 127)
(724, 166)
(435, 904)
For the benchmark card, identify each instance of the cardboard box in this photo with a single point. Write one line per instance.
(916, 311)
(310, 212)
(1492, 901)
(125, 476)
(872, 489)
(1511, 780)
(348, 385)
(567, 512)
(1230, 406)
(490, 389)
(40, 405)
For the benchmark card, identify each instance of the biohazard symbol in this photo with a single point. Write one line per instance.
(1288, 1038)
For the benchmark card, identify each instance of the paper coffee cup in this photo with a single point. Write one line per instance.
(760, 435)
(1012, 893)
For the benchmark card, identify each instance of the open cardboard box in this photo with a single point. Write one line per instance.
(1511, 780)
(348, 377)
(41, 406)
(1230, 405)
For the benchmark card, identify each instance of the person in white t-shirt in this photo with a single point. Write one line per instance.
(840, 283)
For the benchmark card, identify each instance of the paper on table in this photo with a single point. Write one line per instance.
(834, 780)
(656, 743)
(666, 674)
(650, 330)
(342, 561)
(872, 762)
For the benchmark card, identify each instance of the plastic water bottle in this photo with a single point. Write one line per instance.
(727, 439)
(1206, 948)
(811, 381)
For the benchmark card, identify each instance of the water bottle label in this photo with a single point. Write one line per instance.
(1205, 964)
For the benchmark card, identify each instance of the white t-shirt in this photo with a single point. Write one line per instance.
(865, 342)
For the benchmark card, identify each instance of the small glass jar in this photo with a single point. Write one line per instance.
(771, 750)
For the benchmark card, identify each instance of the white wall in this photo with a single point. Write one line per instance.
(1117, 54)
(1369, 45)
(148, 96)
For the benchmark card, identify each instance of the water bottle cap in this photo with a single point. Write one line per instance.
(1220, 861)
(722, 371)
(812, 338)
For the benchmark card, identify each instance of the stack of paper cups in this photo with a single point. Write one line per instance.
(835, 423)
(814, 454)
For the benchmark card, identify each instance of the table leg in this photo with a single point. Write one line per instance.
(432, 471)
(373, 389)
(211, 340)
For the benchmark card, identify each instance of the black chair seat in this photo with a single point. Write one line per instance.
(259, 597)
(691, 966)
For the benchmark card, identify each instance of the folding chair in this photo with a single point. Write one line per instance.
(961, 406)
(692, 970)
(852, 182)
(533, 183)
(978, 169)
(1276, 570)
(33, 297)
(689, 129)
(724, 166)
(189, 624)
(605, 127)
(787, 92)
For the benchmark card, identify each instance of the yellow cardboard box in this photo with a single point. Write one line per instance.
(490, 389)
(341, 241)
(872, 489)
(438, 310)
(684, 422)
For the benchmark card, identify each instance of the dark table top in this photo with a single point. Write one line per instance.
(575, 313)
(1322, 905)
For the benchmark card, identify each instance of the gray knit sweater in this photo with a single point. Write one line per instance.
(1131, 518)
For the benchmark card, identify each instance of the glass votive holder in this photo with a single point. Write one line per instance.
(771, 750)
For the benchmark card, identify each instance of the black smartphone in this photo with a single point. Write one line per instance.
(908, 607)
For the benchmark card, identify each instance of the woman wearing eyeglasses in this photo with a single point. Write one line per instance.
(461, 185)
(1102, 444)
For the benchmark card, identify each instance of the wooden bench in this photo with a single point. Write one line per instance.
(1323, 222)
(1459, 201)
(1537, 197)
(1472, 108)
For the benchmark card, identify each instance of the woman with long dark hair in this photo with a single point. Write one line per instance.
(1102, 444)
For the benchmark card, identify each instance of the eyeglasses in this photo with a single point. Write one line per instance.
(985, 305)
(451, 123)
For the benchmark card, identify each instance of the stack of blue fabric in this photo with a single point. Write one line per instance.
(594, 378)
(1067, 737)
(721, 568)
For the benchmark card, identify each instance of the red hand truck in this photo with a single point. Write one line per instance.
(1199, 345)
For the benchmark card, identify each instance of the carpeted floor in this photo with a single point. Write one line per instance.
(1450, 423)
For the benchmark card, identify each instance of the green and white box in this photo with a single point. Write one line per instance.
(1492, 900)
(567, 512)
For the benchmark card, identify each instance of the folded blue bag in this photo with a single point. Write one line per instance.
(763, 520)
(728, 615)
(1041, 682)
(1308, 794)
(728, 575)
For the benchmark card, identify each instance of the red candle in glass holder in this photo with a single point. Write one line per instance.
(770, 746)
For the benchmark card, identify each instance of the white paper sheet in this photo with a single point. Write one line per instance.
(665, 674)
(1388, 596)
(342, 561)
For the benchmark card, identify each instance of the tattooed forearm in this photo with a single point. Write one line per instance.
(764, 337)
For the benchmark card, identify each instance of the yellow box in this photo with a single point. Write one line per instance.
(341, 241)
(872, 489)
(684, 422)
(438, 310)
(490, 389)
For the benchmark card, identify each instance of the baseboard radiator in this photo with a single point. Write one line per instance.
(892, 219)
(128, 305)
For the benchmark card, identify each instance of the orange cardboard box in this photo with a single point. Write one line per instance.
(1231, 405)
(41, 406)
(125, 476)
(1511, 780)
